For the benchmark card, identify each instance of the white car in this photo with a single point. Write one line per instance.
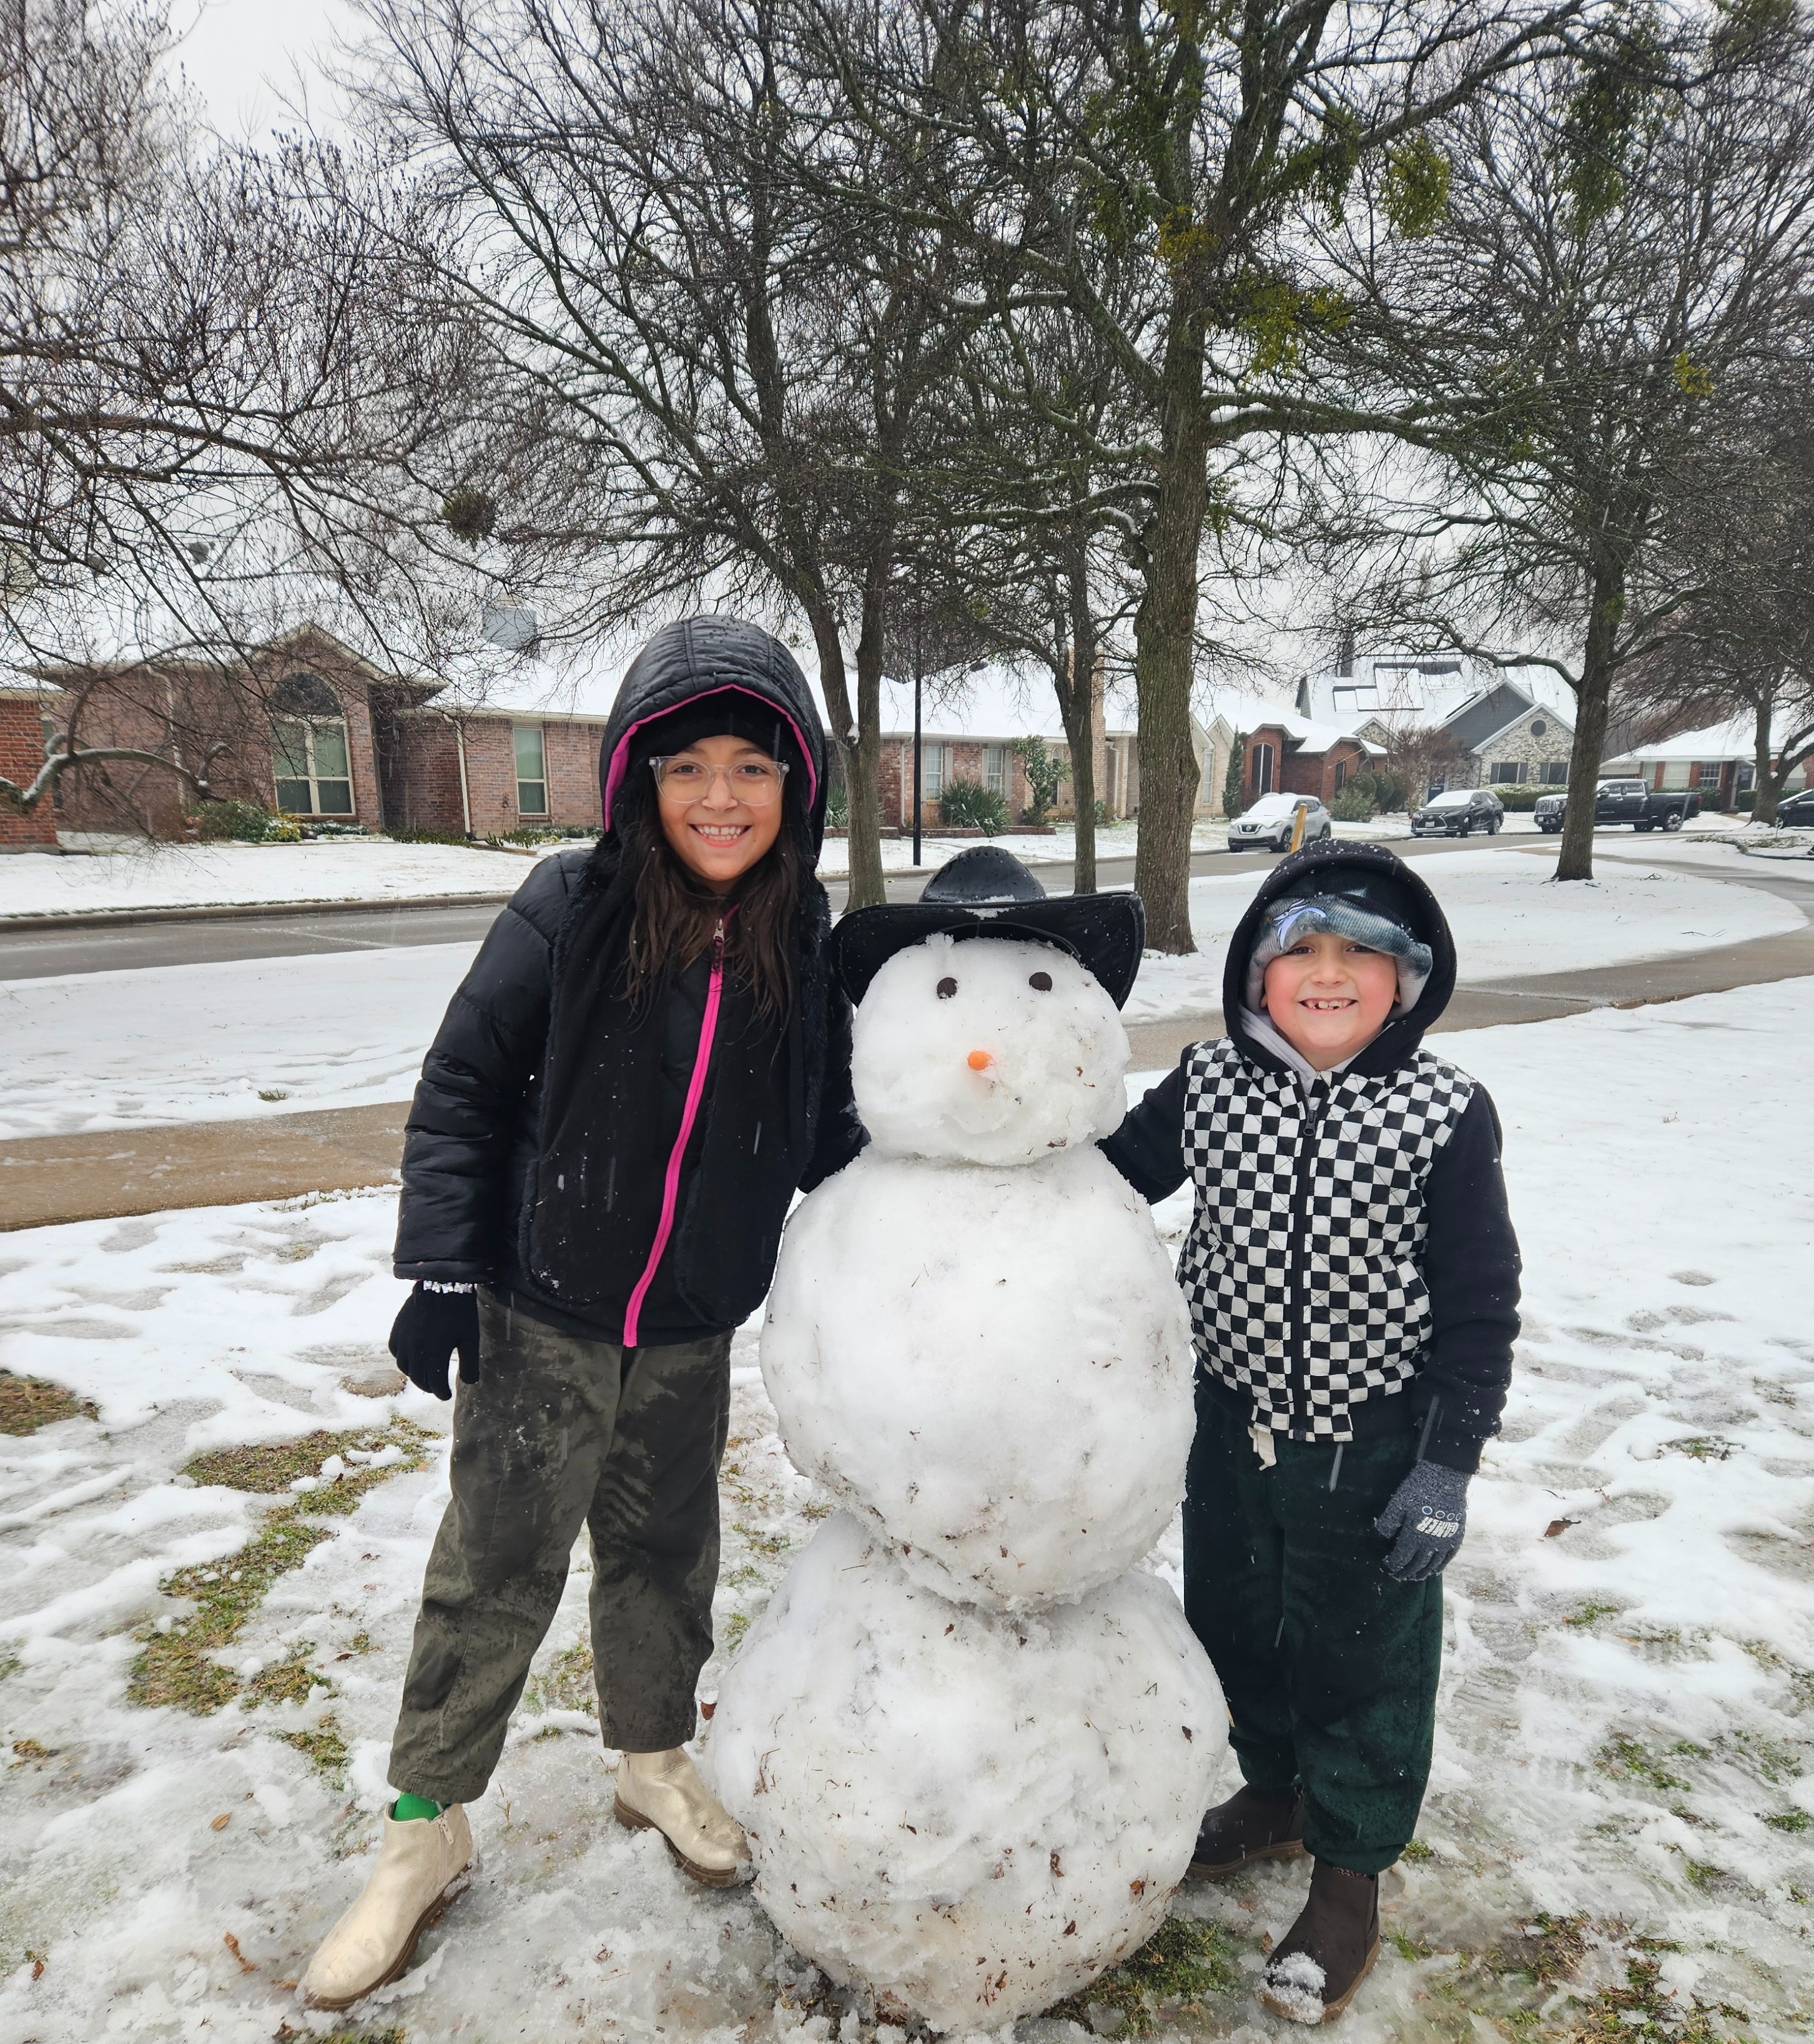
(1269, 824)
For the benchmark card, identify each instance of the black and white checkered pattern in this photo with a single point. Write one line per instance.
(1302, 1266)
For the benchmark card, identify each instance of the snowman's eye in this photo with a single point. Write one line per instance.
(948, 987)
(1041, 982)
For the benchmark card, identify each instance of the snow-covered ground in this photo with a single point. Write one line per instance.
(258, 1036)
(175, 876)
(1626, 1746)
(1509, 918)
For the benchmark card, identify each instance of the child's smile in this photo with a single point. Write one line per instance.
(1329, 997)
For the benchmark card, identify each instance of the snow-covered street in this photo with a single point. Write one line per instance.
(1618, 1830)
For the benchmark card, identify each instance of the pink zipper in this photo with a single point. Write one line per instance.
(695, 1090)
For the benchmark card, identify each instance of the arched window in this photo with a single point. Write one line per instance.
(1262, 768)
(309, 748)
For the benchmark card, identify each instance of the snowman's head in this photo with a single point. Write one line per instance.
(987, 1051)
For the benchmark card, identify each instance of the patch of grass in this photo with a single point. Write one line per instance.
(1700, 1448)
(1417, 1851)
(569, 1683)
(10, 1664)
(1795, 1822)
(1701, 1876)
(1591, 1613)
(175, 1667)
(289, 1682)
(272, 1465)
(28, 1402)
(323, 1746)
(1178, 1965)
(29, 1749)
(1642, 2012)
(736, 1626)
(1549, 1949)
(1631, 1757)
(761, 1542)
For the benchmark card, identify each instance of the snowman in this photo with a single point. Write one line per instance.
(971, 1738)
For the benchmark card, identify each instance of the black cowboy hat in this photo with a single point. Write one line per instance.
(988, 893)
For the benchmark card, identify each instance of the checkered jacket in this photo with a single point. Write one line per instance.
(1302, 1266)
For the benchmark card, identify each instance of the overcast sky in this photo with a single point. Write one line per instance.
(246, 58)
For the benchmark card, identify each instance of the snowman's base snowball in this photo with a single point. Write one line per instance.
(974, 1811)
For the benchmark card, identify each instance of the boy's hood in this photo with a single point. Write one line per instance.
(698, 657)
(1402, 1034)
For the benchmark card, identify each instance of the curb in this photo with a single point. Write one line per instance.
(106, 919)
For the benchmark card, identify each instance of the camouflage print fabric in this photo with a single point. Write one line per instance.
(1328, 1666)
(560, 1433)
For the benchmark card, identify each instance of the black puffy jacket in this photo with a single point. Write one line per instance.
(623, 1202)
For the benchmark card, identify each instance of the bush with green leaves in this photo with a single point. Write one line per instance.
(1522, 795)
(1353, 805)
(234, 822)
(1046, 773)
(1387, 791)
(969, 805)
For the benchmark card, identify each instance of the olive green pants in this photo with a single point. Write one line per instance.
(560, 1433)
(1328, 1666)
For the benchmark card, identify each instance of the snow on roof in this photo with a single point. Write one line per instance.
(1417, 691)
(994, 703)
(1736, 738)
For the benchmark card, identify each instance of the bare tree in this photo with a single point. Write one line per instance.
(1613, 270)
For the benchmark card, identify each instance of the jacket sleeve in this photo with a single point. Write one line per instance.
(841, 1134)
(1148, 1147)
(462, 1121)
(1471, 1267)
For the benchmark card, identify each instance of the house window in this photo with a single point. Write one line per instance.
(931, 772)
(1262, 759)
(1710, 771)
(1554, 773)
(309, 756)
(995, 769)
(1538, 727)
(1747, 779)
(531, 771)
(1506, 771)
(309, 748)
(1341, 773)
(1674, 775)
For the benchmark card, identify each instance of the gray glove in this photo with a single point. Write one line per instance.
(1428, 1514)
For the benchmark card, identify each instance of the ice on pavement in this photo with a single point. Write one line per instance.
(1627, 1727)
(341, 1029)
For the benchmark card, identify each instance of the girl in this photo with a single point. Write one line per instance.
(645, 1061)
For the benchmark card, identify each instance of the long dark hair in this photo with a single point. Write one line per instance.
(677, 914)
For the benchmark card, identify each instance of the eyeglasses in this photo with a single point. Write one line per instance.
(754, 782)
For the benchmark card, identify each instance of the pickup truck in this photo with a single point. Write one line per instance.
(1625, 802)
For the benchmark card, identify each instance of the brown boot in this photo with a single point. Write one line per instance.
(1253, 1824)
(1314, 1975)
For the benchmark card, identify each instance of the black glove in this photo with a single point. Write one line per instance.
(1428, 1513)
(430, 1327)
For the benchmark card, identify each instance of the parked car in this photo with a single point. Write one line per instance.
(1457, 811)
(1624, 802)
(1797, 810)
(1269, 824)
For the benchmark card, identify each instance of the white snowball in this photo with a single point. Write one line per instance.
(974, 1812)
(994, 1366)
(1056, 1058)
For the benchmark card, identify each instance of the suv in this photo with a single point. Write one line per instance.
(1797, 810)
(1269, 824)
(1457, 811)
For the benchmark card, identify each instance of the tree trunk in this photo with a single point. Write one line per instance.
(863, 799)
(1591, 698)
(866, 890)
(1076, 705)
(1165, 633)
(1768, 786)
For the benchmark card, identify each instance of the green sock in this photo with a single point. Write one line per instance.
(407, 1807)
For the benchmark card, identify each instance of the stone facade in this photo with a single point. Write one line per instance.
(1537, 738)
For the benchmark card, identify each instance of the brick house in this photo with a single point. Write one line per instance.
(1473, 725)
(1288, 754)
(23, 707)
(1719, 760)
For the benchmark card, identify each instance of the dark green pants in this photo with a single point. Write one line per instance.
(558, 1434)
(1328, 1666)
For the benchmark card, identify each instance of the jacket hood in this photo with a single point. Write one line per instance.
(1403, 1033)
(696, 658)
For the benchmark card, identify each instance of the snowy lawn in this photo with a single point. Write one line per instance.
(1509, 919)
(176, 876)
(1618, 1831)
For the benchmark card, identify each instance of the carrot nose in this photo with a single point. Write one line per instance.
(980, 1061)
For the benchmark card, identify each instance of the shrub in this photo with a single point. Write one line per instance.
(969, 805)
(242, 822)
(1388, 792)
(1522, 794)
(1046, 772)
(1354, 806)
(428, 837)
(1746, 798)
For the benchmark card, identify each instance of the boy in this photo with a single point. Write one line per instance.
(1353, 1283)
